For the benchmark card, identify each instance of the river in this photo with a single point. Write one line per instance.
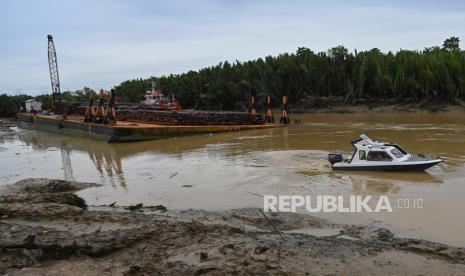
(227, 170)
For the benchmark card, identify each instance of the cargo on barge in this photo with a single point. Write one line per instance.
(122, 131)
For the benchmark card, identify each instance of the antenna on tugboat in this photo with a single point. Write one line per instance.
(153, 86)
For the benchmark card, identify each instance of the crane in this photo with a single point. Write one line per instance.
(53, 66)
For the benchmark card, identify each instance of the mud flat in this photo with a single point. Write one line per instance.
(45, 229)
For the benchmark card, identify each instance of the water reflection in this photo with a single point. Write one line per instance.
(108, 163)
(107, 160)
(65, 159)
(365, 183)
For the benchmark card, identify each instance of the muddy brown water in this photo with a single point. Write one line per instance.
(221, 171)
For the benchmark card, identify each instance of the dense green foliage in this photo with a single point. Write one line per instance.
(436, 74)
(10, 105)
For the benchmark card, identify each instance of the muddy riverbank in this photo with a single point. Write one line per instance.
(337, 107)
(379, 105)
(48, 230)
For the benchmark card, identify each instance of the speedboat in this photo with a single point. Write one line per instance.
(371, 155)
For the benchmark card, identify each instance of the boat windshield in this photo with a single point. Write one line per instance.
(397, 153)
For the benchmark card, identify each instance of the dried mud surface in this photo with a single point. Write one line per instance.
(45, 229)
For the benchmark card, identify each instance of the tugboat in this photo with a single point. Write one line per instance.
(155, 99)
(371, 155)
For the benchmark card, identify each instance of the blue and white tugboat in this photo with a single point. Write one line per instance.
(371, 155)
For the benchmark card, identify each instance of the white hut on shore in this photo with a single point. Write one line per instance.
(32, 104)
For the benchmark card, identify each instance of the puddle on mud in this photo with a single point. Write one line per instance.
(317, 232)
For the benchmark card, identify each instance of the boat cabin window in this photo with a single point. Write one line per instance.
(398, 148)
(378, 156)
(362, 155)
(397, 153)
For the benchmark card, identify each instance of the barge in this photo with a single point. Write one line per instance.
(121, 131)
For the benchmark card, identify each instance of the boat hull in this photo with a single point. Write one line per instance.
(390, 168)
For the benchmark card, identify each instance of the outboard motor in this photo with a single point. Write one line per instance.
(334, 158)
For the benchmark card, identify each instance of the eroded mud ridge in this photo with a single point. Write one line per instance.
(45, 229)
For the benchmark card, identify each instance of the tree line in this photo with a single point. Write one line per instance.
(435, 74)
(10, 104)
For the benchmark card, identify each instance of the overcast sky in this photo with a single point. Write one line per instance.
(102, 43)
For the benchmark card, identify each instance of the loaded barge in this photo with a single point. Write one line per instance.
(107, 123)
(122, 131)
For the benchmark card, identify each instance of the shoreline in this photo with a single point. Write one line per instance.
(47, 228)
(347, 108)
(392, 108)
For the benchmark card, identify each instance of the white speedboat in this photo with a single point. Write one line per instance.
(371, 155)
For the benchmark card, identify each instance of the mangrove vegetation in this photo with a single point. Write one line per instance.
(435, 74)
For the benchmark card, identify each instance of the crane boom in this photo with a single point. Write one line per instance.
(53, 66)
